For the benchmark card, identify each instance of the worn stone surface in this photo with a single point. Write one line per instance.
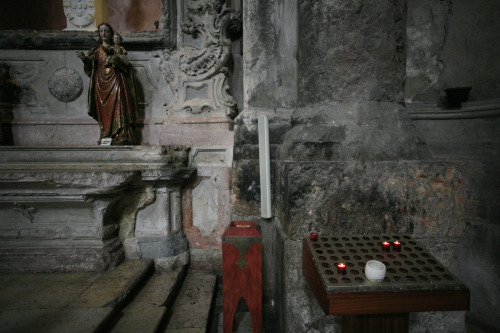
(54, 320)
(351, 131)
(426, 30)
(192, 307)
(114, 285)
(422, 199)
(149, 307)
(270, 57)
(365, 57)
(451, 44)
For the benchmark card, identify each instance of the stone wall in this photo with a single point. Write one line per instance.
(452, 44)
(346, 158)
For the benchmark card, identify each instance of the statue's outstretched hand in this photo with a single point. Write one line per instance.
(80, 55)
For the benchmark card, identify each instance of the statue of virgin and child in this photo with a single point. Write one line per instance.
(112, 98)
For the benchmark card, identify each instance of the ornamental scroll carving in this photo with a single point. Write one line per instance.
(201, 82)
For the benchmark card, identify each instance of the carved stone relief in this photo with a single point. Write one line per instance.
(65, 84)
(201, 79)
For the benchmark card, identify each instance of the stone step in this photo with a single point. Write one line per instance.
(68, 302)
(192, 309)
(148, 309)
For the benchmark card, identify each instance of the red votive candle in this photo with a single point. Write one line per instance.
(314, 236)
(341, 268)
(396, 246)
(386, 246)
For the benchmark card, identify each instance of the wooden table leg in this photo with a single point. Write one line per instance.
(376, 323)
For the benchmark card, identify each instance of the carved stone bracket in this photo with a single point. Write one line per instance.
(201, 81)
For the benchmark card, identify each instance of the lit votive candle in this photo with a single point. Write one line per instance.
(386, 246)
(341, 268)
(396, 246)
(314, 236)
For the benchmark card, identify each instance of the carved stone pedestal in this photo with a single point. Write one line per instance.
(61, 209)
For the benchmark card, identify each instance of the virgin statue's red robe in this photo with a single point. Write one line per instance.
(112, 98)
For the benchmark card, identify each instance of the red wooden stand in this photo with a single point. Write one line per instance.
(242, 272)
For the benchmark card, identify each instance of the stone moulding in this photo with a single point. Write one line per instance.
(471, 110)
(61, 208)
(74, 40)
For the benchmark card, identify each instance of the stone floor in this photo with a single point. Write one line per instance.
(242, 322)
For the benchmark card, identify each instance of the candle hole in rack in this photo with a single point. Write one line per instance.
(357, 257)
(427, 269)
(386, 263)
(334, 258)
(369, 257)
(410, 278)
(403, 270)
(396, 237)
(359, 280)
(409, 263)
(360, 244)
(349, 244)
(350, 264)
(423, 278)
(439, 269)
(361, 264)
(448, 277)
(346, 280)
(335, 239)
(333, 280)
(412, 243)
(396, 278)
(353, 251)
(342, 251)
(413, 255)
(370, 244)
(366, 238)
(420, 262)
(415, 269)
(324, 239)
(418, 248)
(406, 237)
(355, 272)
(386, 279)
(326, 265)
(397, 263)
(391, 270)
(375, 250)
(346, 257)
(316, 246)
(432, 262)
(435, 278)
(322, 258)
(338, 245)
(404, 256)
(376, 237)
(329, 272)
(392, 256)
(386, 237)
(330, 251)
(355, 238)
(379, 256)
(345, 238)
(319, 251)
(364, 250)
(327, 245)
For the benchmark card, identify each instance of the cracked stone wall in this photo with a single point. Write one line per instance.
(452, 44)
(345, 158)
